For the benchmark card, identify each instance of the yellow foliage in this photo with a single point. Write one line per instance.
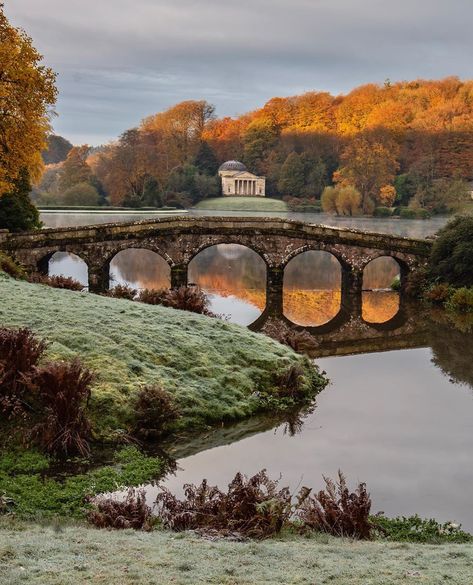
(27, 92)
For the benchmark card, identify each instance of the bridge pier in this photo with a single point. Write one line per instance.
(99, 278)
(352, 291)
(275, 291)
(179, 275)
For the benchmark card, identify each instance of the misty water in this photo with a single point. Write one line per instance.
(398, 413)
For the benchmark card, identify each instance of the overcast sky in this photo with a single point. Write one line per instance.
(121, 60)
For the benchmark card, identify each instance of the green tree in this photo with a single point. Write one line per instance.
(316, 176)
(152, 193)
(260, 137)
(81, 194)
(292, 176)
(205, 159)
(451, 259)
(405, 188)
(17, 212)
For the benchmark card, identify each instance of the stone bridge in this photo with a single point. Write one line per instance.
(179, 239)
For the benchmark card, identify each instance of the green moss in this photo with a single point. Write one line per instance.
(36, 495)
(214, 370)
(242, 204)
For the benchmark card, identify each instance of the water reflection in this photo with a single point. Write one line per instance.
(397, 420)
(380, 302)
(234, 277)
(140, 269)
(312, 288)
(65, 264)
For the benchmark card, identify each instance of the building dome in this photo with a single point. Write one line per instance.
(232, 165)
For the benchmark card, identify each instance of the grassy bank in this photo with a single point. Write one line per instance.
(242, 204)
(77, 555)
(215, 371)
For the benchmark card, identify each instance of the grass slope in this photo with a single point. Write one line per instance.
(212, 368)
(77, 555)
(242, 204)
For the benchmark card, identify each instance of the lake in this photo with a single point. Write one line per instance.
(398, 413)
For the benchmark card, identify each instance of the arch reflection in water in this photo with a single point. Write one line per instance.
(380, 302)
(312, 288)
(140, 268)
(234, 277)
(71, 265)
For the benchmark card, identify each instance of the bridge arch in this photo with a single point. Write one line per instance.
(139, 268)
(69, 264)
(235, 278)
(312, 287)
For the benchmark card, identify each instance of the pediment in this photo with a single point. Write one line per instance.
(246, 175)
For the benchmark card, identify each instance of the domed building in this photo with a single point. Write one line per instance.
(238, 181)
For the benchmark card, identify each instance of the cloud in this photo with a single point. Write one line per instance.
(120, 60)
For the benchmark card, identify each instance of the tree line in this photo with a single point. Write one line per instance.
(406, 143)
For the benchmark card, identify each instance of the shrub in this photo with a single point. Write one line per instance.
(461, 300)
(416, 283)
(63, 391)
(416, 529)
(132, 512)
(452, 253)
(438, 294)
(407, 213)
(382, 212)
(65, 282)
(11, 267)
(290, 383)
(185, 298)
(20, 352)
(122, 291)
(396, 284)
(299, 340)
(155, 411)
(253, 507)
(337, 511)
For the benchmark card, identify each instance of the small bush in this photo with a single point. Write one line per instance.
(155, 411)
(290, 383)
(63, 391)
(185, 298)
(10, 267)
(253, 507)
(396, 284)
(461, 300)
(20, 352)
(382, 212)
(64, 282)
(416, 529)
(337, 511)
(122, 291)
(132, 512)
(438, 294)
(152, 296)
(416, 282)
(299, 340)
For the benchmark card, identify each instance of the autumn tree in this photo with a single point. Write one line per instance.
(341, 200)
(368, 164)
(75, 169)
(27, 94)
(387, 195)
